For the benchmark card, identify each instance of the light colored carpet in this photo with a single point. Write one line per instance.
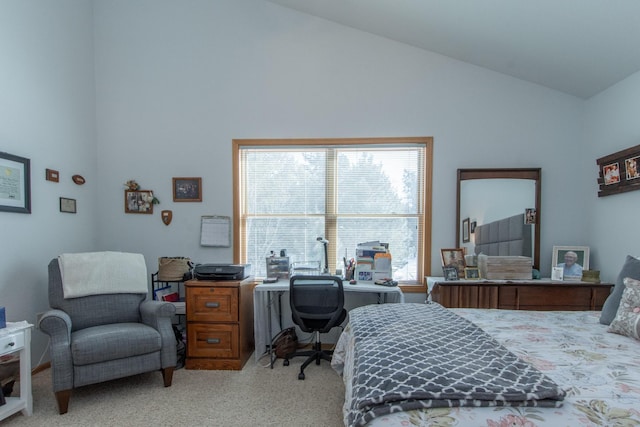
(254, 396)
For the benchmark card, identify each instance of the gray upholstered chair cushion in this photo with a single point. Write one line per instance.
(631, 268)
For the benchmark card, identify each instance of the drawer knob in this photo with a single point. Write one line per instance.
(11, 344)
(212, 304)
(213, 340)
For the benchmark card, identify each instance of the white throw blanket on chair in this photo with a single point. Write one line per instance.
(92, 273)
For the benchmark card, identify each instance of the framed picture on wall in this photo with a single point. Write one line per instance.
(187, 189)
(138, 201)
(15, 183)
(466, 230)
(572, 260)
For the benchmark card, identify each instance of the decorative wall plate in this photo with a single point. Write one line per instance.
(78, 179)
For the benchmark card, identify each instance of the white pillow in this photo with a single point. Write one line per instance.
(627, 320)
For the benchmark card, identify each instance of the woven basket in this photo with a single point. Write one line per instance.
(173, 268)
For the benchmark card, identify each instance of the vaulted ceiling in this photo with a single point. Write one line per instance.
(579, 47)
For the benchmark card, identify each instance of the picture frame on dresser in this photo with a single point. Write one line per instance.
(453, 257)
(572, 259)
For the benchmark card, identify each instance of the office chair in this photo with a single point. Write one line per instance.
(317, 305)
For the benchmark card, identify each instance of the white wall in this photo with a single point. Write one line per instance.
(47, 115)
(177, 81)
(611, 125)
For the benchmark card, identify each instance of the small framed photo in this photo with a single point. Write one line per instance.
(572, 260)
(611, 173)
(52, 175)
(138, 201)
(631, 166)
(466, 230)
(450, 273)
(454, 258)
(67, 205)
(187, 189)
(472, 273)
(530, 215)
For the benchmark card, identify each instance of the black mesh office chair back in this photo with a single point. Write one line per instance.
(317, 305)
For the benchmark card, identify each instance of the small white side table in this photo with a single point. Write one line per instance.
(16, 338)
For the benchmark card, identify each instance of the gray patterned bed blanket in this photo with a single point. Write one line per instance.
(409, 356)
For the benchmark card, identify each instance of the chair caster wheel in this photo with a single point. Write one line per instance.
(286, 362)
(301, 376)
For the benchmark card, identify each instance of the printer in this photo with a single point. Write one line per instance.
(222, 271)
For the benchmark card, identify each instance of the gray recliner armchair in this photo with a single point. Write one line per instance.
(97, 338)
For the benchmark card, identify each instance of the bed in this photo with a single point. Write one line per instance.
(505, 237)
(581, 374)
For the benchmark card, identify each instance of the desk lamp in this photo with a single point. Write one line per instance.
(325, 242)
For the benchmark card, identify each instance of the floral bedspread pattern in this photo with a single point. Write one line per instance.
(599, 371)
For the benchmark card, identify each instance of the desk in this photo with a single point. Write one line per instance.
(16, 338)
(266, 313)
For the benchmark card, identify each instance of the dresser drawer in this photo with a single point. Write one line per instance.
(12, 342)
(209, 304)
(212, 340)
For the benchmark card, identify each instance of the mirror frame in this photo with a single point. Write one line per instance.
(505, 173)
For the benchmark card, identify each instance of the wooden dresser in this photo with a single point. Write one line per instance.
(521, 294)
(219, 323)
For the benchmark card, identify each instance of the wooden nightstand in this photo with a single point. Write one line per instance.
(219, 323)
(521, 294)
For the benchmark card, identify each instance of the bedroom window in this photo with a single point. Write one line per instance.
(287, 193)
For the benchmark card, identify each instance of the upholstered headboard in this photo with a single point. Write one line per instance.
(505, 237)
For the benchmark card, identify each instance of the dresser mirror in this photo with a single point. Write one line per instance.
(488, 195)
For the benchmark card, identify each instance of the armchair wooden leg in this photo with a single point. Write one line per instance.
(63, 400)
(167, 375)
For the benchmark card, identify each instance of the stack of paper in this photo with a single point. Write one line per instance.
(373, 261)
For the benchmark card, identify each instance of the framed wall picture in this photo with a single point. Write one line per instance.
(15, 183)
(619, 172)
(453, 258)
(466, 230)
(67, 205)
(138, 201)
(572, 260)
(187, 189)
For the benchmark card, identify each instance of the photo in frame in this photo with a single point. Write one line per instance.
(453, 258)
(187, 189)
(138, 201)
(631, 166)
(15, 183)
(572, 260)
(450, 273)
(466, 230)
(67, 205)
(472, 273)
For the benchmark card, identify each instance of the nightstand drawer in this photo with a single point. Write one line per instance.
(11, 343)
(209, 304)
(212, 340)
